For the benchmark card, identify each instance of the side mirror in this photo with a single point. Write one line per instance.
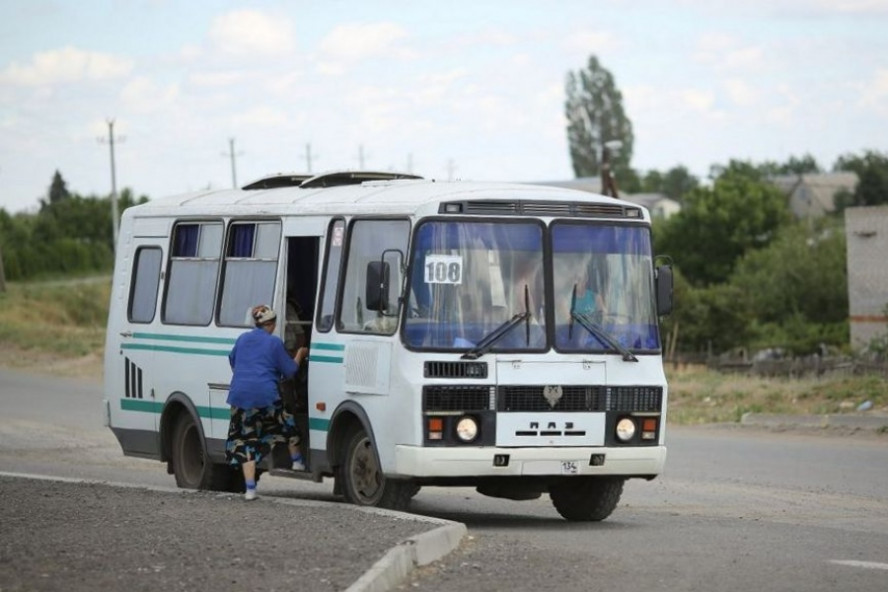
(377, 287)
(663, 280)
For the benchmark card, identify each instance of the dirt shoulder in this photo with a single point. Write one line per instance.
(89, 367)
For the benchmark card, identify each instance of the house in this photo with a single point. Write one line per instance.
(866, 235)
(812, 195)
(659, 205)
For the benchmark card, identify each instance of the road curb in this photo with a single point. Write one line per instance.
(864, 422)
(399, 561)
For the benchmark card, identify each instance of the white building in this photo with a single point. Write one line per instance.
(866, 232)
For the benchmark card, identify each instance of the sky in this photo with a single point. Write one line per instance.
(456, 89)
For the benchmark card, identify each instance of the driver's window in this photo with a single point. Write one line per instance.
(369, 241)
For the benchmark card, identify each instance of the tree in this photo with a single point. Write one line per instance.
(595, 115)
(796, 288)
(675, 183)
(872, 175)
(58, 191)
(717, 225)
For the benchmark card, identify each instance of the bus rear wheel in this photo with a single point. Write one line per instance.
(192, 468)
(586, 500)
(362, 480)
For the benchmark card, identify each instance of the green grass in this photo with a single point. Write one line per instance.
(699, 395)
(66, 318)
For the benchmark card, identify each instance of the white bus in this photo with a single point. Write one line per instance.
(499, 336)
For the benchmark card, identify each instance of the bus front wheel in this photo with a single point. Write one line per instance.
(585, 500)
(362, 480)
(193, 470)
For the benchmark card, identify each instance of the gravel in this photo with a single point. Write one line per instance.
(88, 536)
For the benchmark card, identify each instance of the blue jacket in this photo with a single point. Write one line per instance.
(258, 360)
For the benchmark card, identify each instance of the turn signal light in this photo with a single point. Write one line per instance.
(436, 428)
(649, 428)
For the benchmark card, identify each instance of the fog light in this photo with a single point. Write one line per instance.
(467, 429)
(625, 429)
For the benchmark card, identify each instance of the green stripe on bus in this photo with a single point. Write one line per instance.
(328, 346)
(156, 407)
(330, 359)
(318, 423)
(140, 405)
(188, 338)
(215, 412)
(177, 350)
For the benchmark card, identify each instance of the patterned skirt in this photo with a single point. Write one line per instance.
(253, 432)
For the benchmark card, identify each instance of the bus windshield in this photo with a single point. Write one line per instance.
(603, 287)
(469, 279)
(485, 283)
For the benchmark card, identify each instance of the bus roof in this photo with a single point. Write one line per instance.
(390, 193)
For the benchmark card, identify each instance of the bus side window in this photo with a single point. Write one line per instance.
(144, 285)
(251, 259)
(332, 264)
(193, 269)
(368, 240)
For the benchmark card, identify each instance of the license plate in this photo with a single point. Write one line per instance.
(570, 467)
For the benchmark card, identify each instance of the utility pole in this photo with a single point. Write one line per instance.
(2, 274)
(115, 217)
(361, 157)
(308, 158)
(232, 155)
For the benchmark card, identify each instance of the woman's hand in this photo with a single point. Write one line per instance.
(301, 354)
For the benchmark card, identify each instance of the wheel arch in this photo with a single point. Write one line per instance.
(348, 416)
(177, 404)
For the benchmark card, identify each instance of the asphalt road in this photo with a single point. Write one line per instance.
(737, 508)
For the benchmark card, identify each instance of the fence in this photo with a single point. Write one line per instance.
(810, 366)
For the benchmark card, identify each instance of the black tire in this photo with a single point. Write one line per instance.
(363, 483)
(586, 500)
(191, 466)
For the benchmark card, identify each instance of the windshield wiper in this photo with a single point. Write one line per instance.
(489, 340)
(602, 335)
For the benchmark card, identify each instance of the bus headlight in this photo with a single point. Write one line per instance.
(625, 429)
(467, 429)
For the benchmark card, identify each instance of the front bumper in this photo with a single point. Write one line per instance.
(640, 461)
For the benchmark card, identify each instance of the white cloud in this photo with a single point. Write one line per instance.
(66, 65)
(698, 100)
(142, 95)
(740, 92)
(586, 42)
(250, 33)
(874, 94)
(216, 79)
(353, 42)
(724, 52)
(262, 116)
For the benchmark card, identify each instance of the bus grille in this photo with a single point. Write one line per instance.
(581, 398)
(457, 398)
(455, 369)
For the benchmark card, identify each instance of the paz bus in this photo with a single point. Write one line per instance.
(499, 336)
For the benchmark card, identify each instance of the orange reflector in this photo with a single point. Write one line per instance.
(321, 406)
(649, 424)
(436, 424)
